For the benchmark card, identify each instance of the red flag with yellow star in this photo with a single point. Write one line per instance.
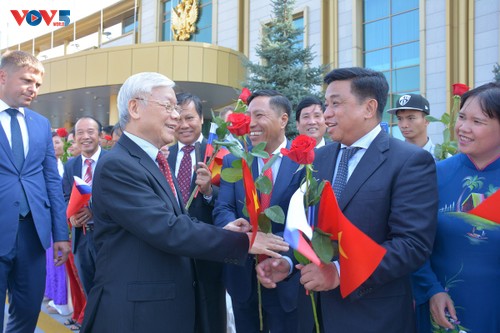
(251, 199)
(488, 209)
(359, 255)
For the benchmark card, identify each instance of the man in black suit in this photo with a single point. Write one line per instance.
(184, 154)
(87, 135)
(145, 278)
(390, 195)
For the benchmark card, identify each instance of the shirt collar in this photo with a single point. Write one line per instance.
(181, 145)
(94, 157)
(4, 106)
(147, 146)
(366, 140)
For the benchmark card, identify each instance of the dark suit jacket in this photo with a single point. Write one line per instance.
(229, 206)
(144, 275)
(41, 182)
(74, 168)
(209, 272)
(392, 197)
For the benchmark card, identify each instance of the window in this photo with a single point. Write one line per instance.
(392, 46)
(298, 23)
(203, 31)
(128, 25)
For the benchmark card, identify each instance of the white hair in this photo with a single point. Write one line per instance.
(139, 85)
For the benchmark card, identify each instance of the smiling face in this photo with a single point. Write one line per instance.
(312, 122)
(346, 118)
(87, 136)
(19, 86)
(266, 124)
(152, 121)
(189, 129)
(478, 135)
(413, 126)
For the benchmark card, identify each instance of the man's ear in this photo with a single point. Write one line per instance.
(371, 108)
(284, 119)
(133, 108)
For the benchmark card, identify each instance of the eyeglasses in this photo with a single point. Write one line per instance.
(169, 107)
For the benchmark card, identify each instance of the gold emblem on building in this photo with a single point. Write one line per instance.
(184, 17)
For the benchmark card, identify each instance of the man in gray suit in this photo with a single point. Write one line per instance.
(389, 193)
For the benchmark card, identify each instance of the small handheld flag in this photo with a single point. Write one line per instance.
(80, 196)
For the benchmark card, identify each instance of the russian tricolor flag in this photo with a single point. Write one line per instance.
(80, 196)
(297, 228)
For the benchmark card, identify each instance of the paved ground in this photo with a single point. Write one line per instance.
(47, 322)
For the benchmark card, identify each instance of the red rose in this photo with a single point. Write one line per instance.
(460, 88)
(62, 132)
(302, 150)
(240, 124)
(108, 138)
(245, 93)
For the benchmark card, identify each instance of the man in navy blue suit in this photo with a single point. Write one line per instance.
(31, 200)
(390, 195)
(269, 111)
(87, 134)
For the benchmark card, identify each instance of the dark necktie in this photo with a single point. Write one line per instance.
(265, 199)
(343, 170)
(88, 174)
(185, 172)
(165, 170)
(18, 153)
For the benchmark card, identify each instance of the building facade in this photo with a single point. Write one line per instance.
(422, 46)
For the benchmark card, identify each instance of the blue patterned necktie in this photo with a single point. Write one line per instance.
(343, 170)
(18, 153)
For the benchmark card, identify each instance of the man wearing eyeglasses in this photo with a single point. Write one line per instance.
(145, 278)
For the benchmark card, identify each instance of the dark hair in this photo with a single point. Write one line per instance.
(278, 102)
(108, 129)
(307, 102)
(117, 128)
(99, 126)
(186, 98)
(365, 83)
(488, 96)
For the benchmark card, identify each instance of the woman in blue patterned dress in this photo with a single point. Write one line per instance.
(459, 287)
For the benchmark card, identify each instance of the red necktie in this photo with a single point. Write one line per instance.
(165, 169)
(88, 174)
(185, 172)
(265, 199)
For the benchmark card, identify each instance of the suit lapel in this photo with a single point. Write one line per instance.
(147, 163)
(371, 161)
(4, 142)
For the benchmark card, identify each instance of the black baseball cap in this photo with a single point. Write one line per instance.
(411, 102)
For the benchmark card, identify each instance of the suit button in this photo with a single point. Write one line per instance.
(194, 284)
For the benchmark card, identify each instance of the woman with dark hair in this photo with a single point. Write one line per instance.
(459, 287)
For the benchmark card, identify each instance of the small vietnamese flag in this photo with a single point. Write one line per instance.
(488, 209)
(80, 196)
(251, 199)
(359, 255)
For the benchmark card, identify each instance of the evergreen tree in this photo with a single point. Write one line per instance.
(286, 65)
(496, 72)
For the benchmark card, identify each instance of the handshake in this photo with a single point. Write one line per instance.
(267, 244)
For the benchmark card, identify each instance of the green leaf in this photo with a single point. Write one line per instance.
(446, 135)
(265, 224)
(323, 245)
(260, 146)
(445, 118)
(236, 151)
(432, 119)
(270, 162)
(259, 153)
(300, 258)
(236, 164)
(264, 184)
(231, 175)
(276, 214)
